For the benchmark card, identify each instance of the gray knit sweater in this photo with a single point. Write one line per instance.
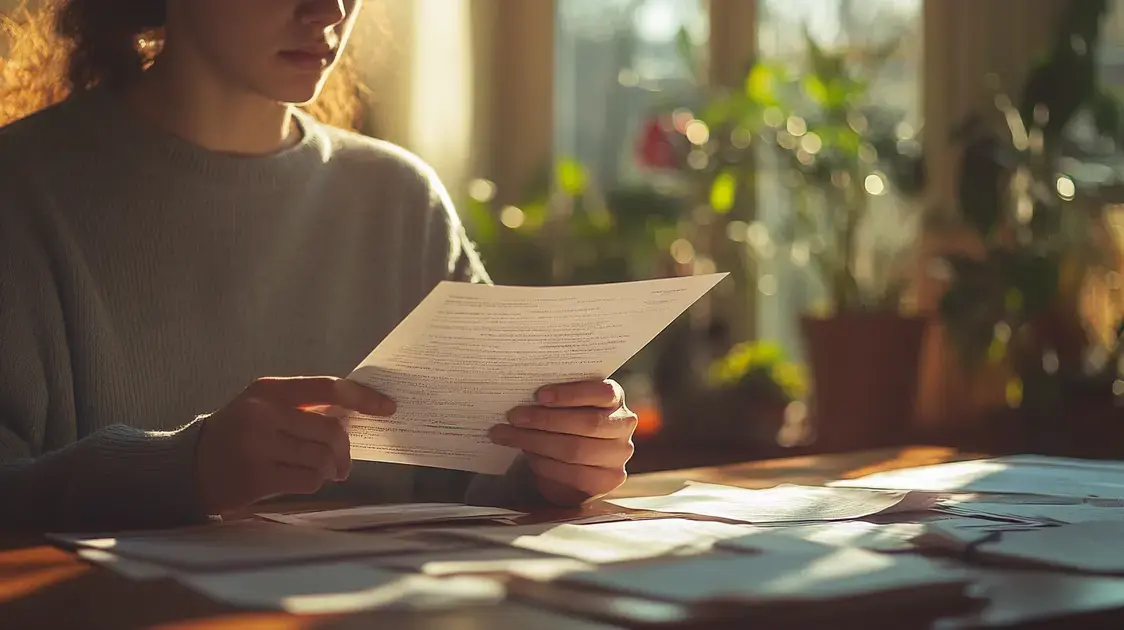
(145, 281)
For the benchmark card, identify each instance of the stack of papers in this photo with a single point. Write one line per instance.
(1023, 474)
(372, 516)
(1090, 547)
(238, 545)
(486, 561)
(893, 537)
(341, 587)
(785, 503)
(619, 541)
(275, 566)
(785, 579)
(1046, 514)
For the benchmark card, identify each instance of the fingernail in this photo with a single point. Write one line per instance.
(520, 418)
(547, 396)
(388, 408)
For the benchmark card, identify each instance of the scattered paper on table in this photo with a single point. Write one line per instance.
(469, 353)
(1090, 547)
(828, 573)
(487, 560)
(858, 534)
(133, 569)
(786, 503)
(372, 516)
(1014, 475)
(616, 541)
(240, 544)
(340, 588)
(1041, 514)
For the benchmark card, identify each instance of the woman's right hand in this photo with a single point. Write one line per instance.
(267, 442)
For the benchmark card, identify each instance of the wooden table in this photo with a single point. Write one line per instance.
(43, 587)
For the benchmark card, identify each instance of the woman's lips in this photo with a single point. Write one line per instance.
(307, 60)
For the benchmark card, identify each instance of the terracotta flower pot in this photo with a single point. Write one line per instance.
(864, 378)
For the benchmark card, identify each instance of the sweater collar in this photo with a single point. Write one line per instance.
(150, 147)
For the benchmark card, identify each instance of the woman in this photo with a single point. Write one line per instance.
(176, 235)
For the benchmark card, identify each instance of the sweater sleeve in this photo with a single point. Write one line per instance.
(52, 478)
(451, 255)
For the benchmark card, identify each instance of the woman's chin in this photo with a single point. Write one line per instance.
(295, 91)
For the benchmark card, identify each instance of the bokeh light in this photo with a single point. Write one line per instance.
(767, 285)
(874, 184)
(482, 190)
(512, 217)
(682, 251)
(697, 132)
(1067, 190)
(811, 143)
(741, 138)
(796, 126)
(773, 117)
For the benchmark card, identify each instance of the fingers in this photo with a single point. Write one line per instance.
(325, 431)
(571, 449)
(317, 391)
(298, 453)
(590, 481)
(588, 422)
(601, 394)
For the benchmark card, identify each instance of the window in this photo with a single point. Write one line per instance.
(615, 60)
(788, 285)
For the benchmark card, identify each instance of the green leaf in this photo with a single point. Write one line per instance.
(816, 89)
(761, 85)
(724, 191)
(572, 177)
(482, 223)
(534, 215)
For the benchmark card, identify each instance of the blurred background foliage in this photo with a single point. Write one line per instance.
(806, 180)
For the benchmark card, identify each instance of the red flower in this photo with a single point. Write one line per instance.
(655, 148)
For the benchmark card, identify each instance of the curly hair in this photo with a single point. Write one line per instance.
(71, 45)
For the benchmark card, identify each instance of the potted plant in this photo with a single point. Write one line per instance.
(758, 381)
(1016, 302)
(841, 152)
(836, 150)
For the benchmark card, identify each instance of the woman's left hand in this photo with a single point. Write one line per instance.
(577, 439)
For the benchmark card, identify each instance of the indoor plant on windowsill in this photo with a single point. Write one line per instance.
(841, 151)
(837, 149)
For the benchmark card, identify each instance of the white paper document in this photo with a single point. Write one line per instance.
(1090, 547)
(486, 560)
(785, 503)
(1014, 475)
(890, 537)
(1044, 514)
(618, 541)
(812, 576)
(240, 544)
(469, 353)
(372, 516)
(341, 587)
